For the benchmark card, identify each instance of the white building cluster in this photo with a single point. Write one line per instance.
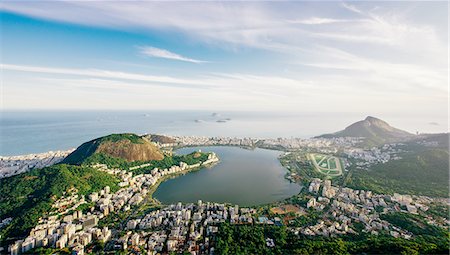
(327, 144)
(71, 229)
(179, 227)
(66, 226)
(374, 155)
(13, 165)
(204, 141)
(342, 207)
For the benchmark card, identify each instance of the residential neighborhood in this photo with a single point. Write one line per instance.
(191, 227)
(13, 165)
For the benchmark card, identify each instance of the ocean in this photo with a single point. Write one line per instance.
(41, 131)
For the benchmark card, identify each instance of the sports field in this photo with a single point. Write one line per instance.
(328, 165)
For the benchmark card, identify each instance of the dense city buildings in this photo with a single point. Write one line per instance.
(191, 227)
(129, 219)
(13, 165)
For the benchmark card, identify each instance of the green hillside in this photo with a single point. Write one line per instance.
(422, 172)
(251, 239)
(129, 147)
(413, 223)
(166, 162)
(28, 196)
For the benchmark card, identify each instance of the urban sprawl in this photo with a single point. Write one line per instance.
(191, 227)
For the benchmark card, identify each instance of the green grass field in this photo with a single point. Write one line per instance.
(332, 164)
(328, 165)
(319, 156)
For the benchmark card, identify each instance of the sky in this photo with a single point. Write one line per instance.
(338, 56)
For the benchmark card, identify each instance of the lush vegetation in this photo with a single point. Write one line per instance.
(248, 239)
(28, 196)
(86, 207)
(233, 239)
(81, 153)
(415, 173)
(133, 138)
(49, 251)
(111, 162)
(114, 220)
(168, 161)
(413, 223)
(439, 210)
(305, 220)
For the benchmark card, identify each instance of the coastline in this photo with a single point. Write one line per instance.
(14, 165)
(154, 187)
(150, 201)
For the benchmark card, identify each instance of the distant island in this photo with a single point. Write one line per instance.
(368, 188)
(223, 120)
(214, 117)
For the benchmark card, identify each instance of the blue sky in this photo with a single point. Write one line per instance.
(373, 57)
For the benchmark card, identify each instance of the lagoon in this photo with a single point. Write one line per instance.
(244, 177)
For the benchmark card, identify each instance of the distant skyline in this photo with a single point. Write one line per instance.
(369, 57)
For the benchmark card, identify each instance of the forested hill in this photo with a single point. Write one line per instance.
(129, 147)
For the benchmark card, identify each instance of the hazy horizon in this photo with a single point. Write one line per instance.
(27, 132)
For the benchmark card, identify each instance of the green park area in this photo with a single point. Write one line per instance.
(325, 164)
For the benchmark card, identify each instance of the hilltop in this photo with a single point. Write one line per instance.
(129, 147)
(374, 130)
(161, 139)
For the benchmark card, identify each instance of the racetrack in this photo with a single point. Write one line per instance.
(328, 165)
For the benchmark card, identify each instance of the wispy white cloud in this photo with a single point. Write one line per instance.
(162, 53)
(100, 74)
(241, 23)
(222, 81)
(319, 21)
(351, 8)
(391, 77)
(101, 88)
(358, 54)
(228, 91)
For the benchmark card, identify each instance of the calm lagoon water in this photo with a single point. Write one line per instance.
(243, 177)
